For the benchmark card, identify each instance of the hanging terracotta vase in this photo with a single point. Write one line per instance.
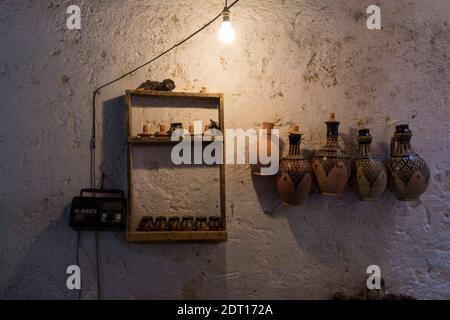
(265, 145)
(294, 177)
(409, 175)
(369, 176)
(331, 164)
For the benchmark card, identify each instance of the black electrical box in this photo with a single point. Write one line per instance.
(103, 210)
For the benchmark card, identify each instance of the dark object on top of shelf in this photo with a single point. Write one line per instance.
(174, 126)
(165, 85)
(103, 212)
(214, 124)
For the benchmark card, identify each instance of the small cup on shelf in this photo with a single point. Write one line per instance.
(146, 224)
(187, 223)
(174, 224)
(214, 223)
(160, 223)
(201, 223)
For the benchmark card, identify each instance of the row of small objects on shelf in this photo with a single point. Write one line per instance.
(175, 223)
(163, 132)
(405, 172)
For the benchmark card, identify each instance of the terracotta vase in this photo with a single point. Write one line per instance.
(294, 177)
(265, 145)
(331, 164)
(409, 174)
(369, 176)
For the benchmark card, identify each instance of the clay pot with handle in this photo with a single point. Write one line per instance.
(331, 164)
(409, 174)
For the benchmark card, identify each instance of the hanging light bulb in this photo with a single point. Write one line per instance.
(226, 33)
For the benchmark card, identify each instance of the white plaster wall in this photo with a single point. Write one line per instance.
(295, 59)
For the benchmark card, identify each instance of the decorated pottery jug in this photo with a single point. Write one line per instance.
(294, 177)
(369, 176)
(409, 175)
(331, 164)
(264, 145)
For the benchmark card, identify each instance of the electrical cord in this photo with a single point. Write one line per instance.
(97, 250)
(78, 262)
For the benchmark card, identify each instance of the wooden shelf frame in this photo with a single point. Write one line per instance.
(172, 236)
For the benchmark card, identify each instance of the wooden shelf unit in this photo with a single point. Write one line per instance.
(172, 236)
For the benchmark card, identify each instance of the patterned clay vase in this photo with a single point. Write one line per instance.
(331, 164)
(369, 175)
(264, 145)
(409, 175)
(294, 177)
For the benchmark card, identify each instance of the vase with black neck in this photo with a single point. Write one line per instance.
(294, 178)
(409, 174)
(331, 164)
(369, 175)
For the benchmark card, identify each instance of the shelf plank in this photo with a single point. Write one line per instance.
(162, 141)
(152, 93)
(178, 236)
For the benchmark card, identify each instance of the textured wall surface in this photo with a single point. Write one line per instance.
(298, 60)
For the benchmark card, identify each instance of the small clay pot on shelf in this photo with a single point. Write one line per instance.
(214, 223)
(160, 223)
(146, 224)
(187, 223)
(174, 224)
(201, 223)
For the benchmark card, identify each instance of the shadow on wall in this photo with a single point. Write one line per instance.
(150, 271)
(41, 274)
(329, 230)
(114, 138)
